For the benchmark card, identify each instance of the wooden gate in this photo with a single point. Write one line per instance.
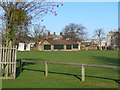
(8, 62)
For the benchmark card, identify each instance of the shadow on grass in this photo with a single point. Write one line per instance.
(76, 76)
(36, 59)
(105, 59)
(113, 61)
(116, 80)
(27, 64)
(18, 71)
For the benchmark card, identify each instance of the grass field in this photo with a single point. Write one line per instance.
(62, 76)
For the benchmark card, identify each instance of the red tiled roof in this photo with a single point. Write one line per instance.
(61, 42)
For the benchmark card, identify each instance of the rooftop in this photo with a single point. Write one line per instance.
(62, 42)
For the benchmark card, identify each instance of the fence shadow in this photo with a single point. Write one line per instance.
(18, 71)
(76, 76)
(116, 80)
(27, 63)
(114, 61)
(39, 59)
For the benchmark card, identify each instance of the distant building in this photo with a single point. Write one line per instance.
(87, 42)
(58, 45)
(93, 44)
(103, 43)
(24, 46)
(113, 39)
(90, 42)
(94, 41)
(54, 36)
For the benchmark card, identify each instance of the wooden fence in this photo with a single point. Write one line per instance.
(7, 62)
(63, 63)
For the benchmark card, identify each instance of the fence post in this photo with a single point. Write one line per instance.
(83, 72)
(15, 52)
(0, 61)
(46, 68)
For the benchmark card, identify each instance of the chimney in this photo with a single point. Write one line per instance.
(48, 33)
(60, 33)
(54, 33)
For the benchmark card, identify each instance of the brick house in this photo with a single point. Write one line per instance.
(58, 45)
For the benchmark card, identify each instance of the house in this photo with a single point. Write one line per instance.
(113, 39)
(58, 45)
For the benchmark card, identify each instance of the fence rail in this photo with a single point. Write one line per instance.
(63, 63)
(76, 64)
(7, 62)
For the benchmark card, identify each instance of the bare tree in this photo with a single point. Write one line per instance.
(38, 33)
(99, 34)
(18, 15)
(74, 32)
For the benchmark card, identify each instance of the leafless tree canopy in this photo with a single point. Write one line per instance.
(99, 34)
(39, 33)
(74, 32)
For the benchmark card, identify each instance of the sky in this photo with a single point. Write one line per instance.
(92, 15)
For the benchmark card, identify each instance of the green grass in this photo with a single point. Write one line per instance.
(62, 76)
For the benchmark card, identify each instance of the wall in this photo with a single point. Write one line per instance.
(41, 46)
(21, 46)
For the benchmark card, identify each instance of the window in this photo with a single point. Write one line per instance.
(75, 46)
(58, 46)
(68, 47)
(47, 47)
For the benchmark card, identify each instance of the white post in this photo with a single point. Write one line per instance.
(46, 69)
(83, 72)
(79, 47)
